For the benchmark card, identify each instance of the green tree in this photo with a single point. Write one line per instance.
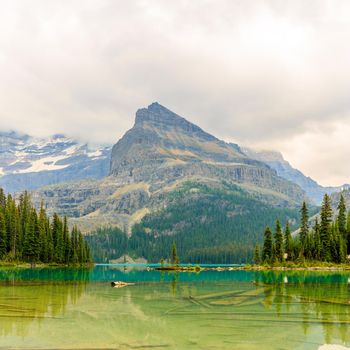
(174, 258)
(279, 251)
(341, 219)
(31, 244)
(288, 244)
(256, 255)
(304, 226)
(317, 241)
(267, 247)
(325, 228)
(3, 236)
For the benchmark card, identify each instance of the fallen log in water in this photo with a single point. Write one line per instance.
(121, 284)
(179, 268)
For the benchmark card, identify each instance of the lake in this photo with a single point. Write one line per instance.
(54, 308)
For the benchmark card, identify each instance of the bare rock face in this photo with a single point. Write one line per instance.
(163, 147)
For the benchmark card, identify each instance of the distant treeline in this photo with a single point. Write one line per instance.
(327, 241)
(29, 235)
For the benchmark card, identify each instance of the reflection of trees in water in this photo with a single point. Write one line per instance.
(323, 298)
(22, 302)
(174, 279)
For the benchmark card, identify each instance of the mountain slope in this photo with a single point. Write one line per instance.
(29, 163)
(210, 224)
(276, 161)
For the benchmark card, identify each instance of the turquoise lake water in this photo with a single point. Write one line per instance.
(78, 309)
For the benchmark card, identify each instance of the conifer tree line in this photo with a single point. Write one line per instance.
(327, 240)
(31, 236)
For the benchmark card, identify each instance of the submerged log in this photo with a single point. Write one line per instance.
(121, 284)
(179, 268)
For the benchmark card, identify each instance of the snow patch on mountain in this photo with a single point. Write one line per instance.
(28, 162)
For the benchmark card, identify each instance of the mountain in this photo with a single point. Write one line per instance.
(29, 163)
(275, 160)
(161, 152)
(163, 148)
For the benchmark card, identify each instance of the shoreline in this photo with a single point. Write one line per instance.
(25, 265)
(194, 268)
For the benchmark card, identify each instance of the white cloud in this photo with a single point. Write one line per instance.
(259, 72)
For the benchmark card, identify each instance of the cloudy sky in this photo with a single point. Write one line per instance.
(272, 74)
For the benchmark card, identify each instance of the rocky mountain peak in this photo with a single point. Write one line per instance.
(158, 117)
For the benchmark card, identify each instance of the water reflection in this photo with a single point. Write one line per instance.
(37, 294)
(230, 309)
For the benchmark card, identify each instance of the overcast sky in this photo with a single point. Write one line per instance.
(270, 74)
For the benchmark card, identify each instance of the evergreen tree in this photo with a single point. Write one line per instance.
(3, 236)
(341, 219)
(256, 255)
(267, 252)
(31, 246)
(66, 241)
(317, 242)
(174, 258)
(279, 251)
(288, 242)
(325, 228)
(304, 226)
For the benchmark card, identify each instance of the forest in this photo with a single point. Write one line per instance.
(208, 225)
(29, 235)
(327, 240)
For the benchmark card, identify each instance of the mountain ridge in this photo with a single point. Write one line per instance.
(284, 169)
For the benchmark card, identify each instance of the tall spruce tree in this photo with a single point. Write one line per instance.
(256, 255)
(174, 258)
(317, 242)
(267, 252)
(325, 228)
(279, 249)
(3, 236)
(304, 226)
(288, 243)
(341, 219)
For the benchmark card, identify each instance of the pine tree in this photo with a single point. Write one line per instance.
(341, 219)
(256, 255)
(267, 252)
(43, 241)
(325, 228)
(3, 236)
(11, 217)
(304, 226)
(66, 241)
(31, 244)
(288, 242)
(279, 251)
(174, 258)
(317, 242)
